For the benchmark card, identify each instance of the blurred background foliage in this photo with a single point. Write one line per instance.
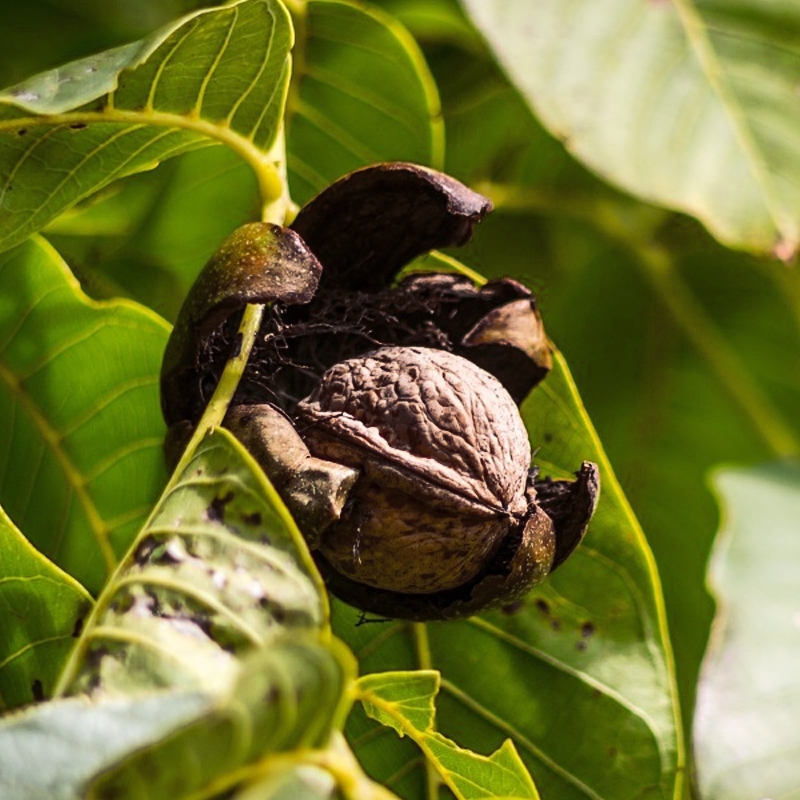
(686, 352)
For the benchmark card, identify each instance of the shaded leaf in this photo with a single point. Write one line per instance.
(405, 701)
(218, 571)
(41, 612)
(586, 659)
(361, 94)
(689, 107)
(746, 735)
(50, 751)
(147, 237)
(79, 410)
(219, 74)
(663, 414)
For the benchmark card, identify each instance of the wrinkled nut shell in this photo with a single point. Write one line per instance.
(398, 542)
(445, 458)
(424, 414)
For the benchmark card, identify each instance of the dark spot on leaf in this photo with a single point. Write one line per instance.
(587, 630)
(253, 519)
(272, 696)
(22, 131)
(276, 611)
(513, 608)
(548, 437)
(264, 539)
(556, 624)
(613, 752)
(216, 511)
(78, 629)
(543, 606)
(204, 623)
(144, 551)
(122, 603)
(78, 126)
(37, 690)
(154, 604)
(581, 646)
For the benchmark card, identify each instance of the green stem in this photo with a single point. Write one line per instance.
(658, 266)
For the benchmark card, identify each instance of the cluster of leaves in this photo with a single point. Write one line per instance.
(686, 353)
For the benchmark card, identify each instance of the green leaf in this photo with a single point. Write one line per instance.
(41, 612)
(167, 744)
(690, 107)
(147, 237)
(79, 409)
(361, 94)
(286, 698)
(217, 75)
(218, 571)
(666, 410)
(304, 782)
(746, 738)
(50, 751)
(217, 596)
(404, 701)
(581, 676)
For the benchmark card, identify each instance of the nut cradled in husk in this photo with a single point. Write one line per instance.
(386, 413)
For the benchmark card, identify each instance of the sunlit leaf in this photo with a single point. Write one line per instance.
(692, 107)
(586, 659)
(362, 94)
(286, 698)
(747, 740)
(41, 612)
(217, 596)
(303, 782)
(405, 701)
(80, 414)
(217, 573)
(217, 75)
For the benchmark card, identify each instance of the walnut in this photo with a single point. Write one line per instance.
(444, 457)
(385, 412)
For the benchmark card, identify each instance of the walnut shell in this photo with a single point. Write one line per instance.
(407, 469)
(444, 456)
